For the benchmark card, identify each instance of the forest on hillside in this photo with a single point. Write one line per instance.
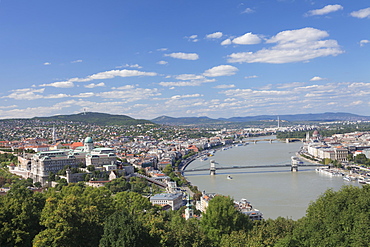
(85, 216)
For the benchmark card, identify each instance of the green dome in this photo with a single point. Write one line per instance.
(88, 140)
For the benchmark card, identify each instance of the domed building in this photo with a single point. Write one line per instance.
(88, 144)
(45, 163)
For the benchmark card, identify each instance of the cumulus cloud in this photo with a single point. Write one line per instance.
(191, 83)
(248, 11)
(180, 83)
(291, 46)
(162, 62)
(221, 70)
(186, 96)
(182, 55)
(216, 35)
(362, 13)
(251, 77)
(130, 66)
(317, 78)
(364, 41)
(60, 84)
(33, 94)
(326, 10)
(224, 86)
(192, 38)
(92, 85)
(100, 76)
(186, 77)
(247, 39)
(226, 42)
(130, 95)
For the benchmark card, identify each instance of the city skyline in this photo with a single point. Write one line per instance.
(145, 59)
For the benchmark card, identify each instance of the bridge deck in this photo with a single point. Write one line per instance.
(254, 166)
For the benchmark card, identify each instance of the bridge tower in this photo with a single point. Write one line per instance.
(294, 163)
(212, 169)
(294, 167)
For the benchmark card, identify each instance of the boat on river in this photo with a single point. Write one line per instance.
(246, 208)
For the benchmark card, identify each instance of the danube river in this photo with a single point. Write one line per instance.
(274, 191)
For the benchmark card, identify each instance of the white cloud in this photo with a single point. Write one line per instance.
(247, 39)
(130, 66)
(77, 61)
(224, 86)
(216, 35)
(291, 46)
(317, 78)
(180, 84)
(125, 87)
(162, 62)
(84, 95)
(100, 76)
(130, 95)
(186, 77)
(47, 63)
(33, 94)
(326, 10)
(162, 49)
(191, 83)
(362, 13)
(226, 42)
(290, 85)
(92, 85)
(182, 55)
(251, 77)
(60, 84)
(192, 38)
(221, 70)
(197, 95)
(248, 11)
(364, 41)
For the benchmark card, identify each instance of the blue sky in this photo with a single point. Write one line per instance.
(181, 58)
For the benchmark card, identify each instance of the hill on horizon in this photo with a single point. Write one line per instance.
(327, 116)
(97, 118)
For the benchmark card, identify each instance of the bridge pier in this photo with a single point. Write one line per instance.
(294, 168)
(212, 169)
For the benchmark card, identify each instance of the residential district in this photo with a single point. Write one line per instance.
(46, 152)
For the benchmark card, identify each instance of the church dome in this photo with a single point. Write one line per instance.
(88, 140)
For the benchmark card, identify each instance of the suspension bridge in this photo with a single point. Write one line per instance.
(212, 167)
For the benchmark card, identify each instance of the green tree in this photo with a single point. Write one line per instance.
(20, 211)
(122, 229)
(74, 216)
(132, 202)
(183, 233)
(118, 185)
(221, 218)
(336, 219)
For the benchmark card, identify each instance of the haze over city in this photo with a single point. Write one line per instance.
(146, 58)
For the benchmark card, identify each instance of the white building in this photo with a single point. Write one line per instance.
(44, 163)
(172, 199)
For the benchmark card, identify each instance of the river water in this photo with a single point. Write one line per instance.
(274, 191)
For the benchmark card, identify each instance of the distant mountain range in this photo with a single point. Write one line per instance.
(328, 116)
(96, 118)
(109, 119)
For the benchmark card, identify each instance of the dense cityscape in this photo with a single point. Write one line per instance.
(143, 164)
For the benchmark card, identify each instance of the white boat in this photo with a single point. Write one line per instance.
(349, 178)
(229, 177)
(246, 208)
